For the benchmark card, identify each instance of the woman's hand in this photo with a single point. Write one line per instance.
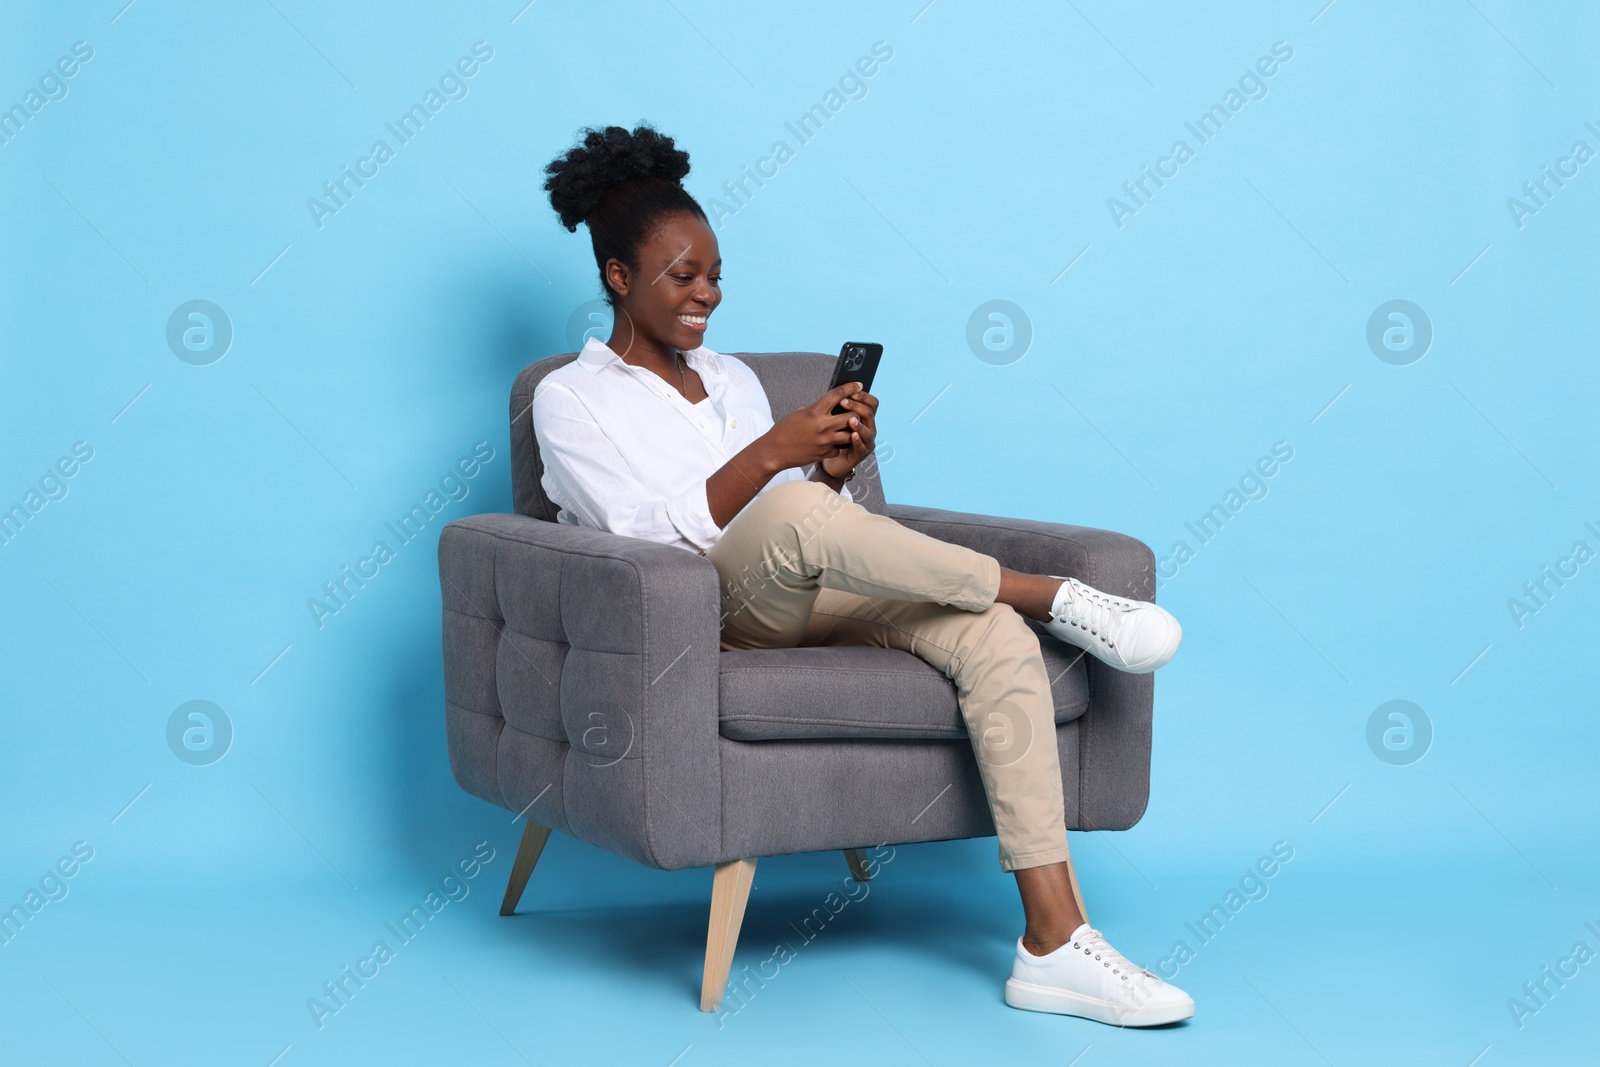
(862, 407)
(810, 434)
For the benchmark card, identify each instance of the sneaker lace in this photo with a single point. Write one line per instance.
(1095, 946)
(1090, 610)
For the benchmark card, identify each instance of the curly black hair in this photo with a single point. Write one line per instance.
(622, 184)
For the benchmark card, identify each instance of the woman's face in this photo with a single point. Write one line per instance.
(677, 284)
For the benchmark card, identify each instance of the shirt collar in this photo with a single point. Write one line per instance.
(597, 354)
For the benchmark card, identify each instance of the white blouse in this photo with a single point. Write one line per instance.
(626, 452)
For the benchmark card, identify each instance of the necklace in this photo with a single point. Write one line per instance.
(677, 357)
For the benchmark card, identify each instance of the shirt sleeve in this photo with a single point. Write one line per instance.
(585, 473)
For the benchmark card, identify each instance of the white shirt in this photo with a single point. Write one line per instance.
(625, 452)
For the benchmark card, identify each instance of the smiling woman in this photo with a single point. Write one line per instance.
(653, 435)
(661, 270)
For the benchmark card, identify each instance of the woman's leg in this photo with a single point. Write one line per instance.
(799, 537)
(993, 658)
(802, 566)
(1049, 907)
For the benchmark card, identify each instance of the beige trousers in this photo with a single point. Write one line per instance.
(803, 566)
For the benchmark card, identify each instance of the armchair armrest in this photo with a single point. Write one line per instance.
(581, 683)
(1115, 733)
(1119, 564)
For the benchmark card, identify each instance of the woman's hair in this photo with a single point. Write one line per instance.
(621, 184)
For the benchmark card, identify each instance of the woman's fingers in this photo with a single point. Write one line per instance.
(863, 398)
(831, 443)
(837, 428)
(836, 396)
(852, 432)
(864, 410)
(867, 423)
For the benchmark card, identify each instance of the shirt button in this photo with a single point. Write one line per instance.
(734, 423)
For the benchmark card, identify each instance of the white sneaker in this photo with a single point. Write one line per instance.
(1088, 978)
(1135, 636)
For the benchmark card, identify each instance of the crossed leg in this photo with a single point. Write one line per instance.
(803, 566)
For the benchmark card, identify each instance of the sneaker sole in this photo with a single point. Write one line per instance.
(1031, 997)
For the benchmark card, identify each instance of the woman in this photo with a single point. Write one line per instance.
(654, 435)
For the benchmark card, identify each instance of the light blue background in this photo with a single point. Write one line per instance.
(371, 353)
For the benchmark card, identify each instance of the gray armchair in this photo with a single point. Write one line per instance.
(585, 688)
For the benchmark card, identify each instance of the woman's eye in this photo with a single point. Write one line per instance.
(717, 280)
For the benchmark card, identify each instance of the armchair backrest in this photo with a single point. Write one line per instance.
(791, 380)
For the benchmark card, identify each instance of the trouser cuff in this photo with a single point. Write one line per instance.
(1038, 858)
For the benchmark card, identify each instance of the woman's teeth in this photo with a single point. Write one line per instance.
(693, 320)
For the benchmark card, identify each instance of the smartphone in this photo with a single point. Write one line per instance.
(858, 362)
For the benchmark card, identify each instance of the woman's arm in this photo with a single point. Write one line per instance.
(736, 482)
(803, 436)
(820, 475)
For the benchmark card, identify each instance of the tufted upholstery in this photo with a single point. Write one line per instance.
(550, 703)
(585, 686)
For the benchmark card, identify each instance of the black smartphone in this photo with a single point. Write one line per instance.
(858, 362)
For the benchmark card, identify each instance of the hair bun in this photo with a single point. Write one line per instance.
(605, 160)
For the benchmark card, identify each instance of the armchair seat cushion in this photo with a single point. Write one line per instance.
(853, 691)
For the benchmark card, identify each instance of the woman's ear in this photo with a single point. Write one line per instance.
(617, 276)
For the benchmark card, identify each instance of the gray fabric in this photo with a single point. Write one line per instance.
(633, 705)
(531, 777)
(527, 469)
(585, 686)
(791, 380)
(856, 691)
(528, 674)
(472, 740)
(805, 796)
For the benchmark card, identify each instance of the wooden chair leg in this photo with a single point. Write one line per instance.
(857, 858)
(1077, 895)
(533, 838)
(730, 891)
